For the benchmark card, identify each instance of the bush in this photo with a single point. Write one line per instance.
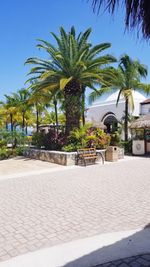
(15, 138)
(3, 143)
(98, 138)
(54, 140)
(5, 153)
(127, 146)
(19, 151)
(38, 139)
(87, 136)
(71, 148)
(116, 139)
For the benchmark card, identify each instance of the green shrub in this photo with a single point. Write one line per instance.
(19, 151)
(4, 153)
(15, 138)
(3, 143)
(71, 148)
(116, 139)
(38, 139)
(127, 146)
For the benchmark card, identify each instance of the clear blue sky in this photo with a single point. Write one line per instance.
(22, 22)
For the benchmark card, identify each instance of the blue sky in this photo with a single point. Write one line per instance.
(23, 22)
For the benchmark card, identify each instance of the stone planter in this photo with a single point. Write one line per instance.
(58, 157)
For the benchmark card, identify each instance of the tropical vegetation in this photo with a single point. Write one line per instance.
(55, 95)
(87, 136)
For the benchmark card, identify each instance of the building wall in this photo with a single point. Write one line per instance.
(97, 112)
(145, 109)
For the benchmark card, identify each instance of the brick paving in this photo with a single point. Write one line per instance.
(19, 165)
(136, 261)
(48, 209)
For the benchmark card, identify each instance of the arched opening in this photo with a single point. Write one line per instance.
(111, 122)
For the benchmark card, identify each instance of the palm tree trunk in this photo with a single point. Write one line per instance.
(73, 93)
(83, 106)
(11, 122)
(126, 120)
(6, 126)
(56, 111)
(56, 114)
(23, 120)
(26, 129)
(37, 120)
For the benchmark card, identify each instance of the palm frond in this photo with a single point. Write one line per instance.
(136, 13)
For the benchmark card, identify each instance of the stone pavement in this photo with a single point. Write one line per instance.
(19, 165)
(136, 261)
(39, 211)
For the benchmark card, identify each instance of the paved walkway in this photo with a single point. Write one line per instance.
(21, 165)
(43, 210)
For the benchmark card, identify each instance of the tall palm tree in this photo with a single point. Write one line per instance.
(127, 79)
(130, 74)
(137, 13)
(73, 65)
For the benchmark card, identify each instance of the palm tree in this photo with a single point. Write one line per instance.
(10, 109)
(73, 65)
(29, 119)
(136, 16)
(56, 98)
(127, 79)
(44, 100)
(21, 102)
(4, 116)
(36, 100)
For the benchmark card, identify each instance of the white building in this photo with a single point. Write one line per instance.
(105, 109)
(145, 107)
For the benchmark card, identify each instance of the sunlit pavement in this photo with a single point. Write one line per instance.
(53, 207)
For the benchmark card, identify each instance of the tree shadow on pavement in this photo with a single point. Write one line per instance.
(136, 244)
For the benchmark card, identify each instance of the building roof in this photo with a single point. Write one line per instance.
(147, 101)
(111, 98)
(142, 122)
